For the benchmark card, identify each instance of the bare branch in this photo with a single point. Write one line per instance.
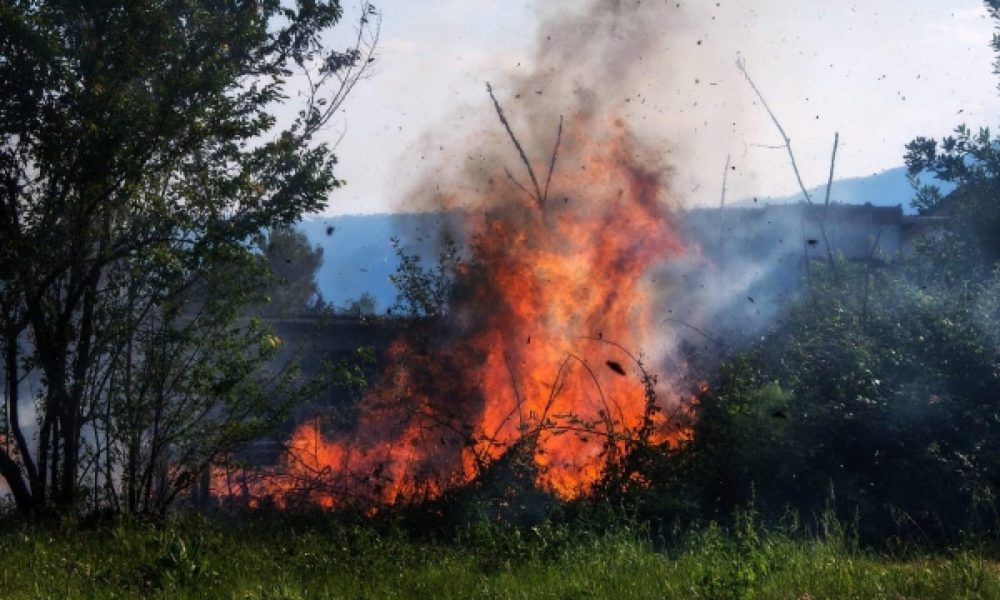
(556, 388)
(833, 160)
(319, 111)
(552, 163)
(518, 403)
(722, 206)
(600, 392)
(518, 183)
(539, 198)
(741, 65)
(700, 332)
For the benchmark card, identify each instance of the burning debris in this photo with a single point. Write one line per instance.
(615, 366)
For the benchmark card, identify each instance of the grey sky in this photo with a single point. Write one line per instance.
(879, 72)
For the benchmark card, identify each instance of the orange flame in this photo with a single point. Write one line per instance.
(537, 350)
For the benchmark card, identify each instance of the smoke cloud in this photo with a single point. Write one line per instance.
(638, 70)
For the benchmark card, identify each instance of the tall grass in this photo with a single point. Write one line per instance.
(195, 558)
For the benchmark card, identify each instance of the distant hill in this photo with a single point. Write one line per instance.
(358, 255)
(888, 188)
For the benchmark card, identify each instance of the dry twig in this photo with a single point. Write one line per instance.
(742, 66)
(552, 162)
(722, 207)
(540, 195)
(829, 182)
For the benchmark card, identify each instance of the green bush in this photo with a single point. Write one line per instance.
(882, 404)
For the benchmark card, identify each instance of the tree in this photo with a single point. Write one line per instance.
(364, 305)
(293, 263)
(184, 386)
(969, 244)
(139, 154)
(993, 7)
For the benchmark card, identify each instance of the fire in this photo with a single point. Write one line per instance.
(545, 350)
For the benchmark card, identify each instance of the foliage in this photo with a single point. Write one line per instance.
(344, 385)
(139, 158)
(425, 292)
(876, 393)
(993, 6)
(875, 396)
(293, 263)
(971, 160)
(181, 391)
(193, 558)
(969, 236)
(881, 404)
(364, 305)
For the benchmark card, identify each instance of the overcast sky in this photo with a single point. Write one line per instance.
(879, 72)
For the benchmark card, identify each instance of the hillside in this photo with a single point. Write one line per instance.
(888, 188)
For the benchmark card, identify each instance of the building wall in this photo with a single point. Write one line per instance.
(769, 233)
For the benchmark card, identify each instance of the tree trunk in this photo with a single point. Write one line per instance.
(21, 472)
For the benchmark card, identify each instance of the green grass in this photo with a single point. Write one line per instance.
(198, 559)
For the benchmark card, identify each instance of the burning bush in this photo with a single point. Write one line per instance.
(534, 356)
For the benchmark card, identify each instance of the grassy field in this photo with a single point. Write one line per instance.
(198, 559)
